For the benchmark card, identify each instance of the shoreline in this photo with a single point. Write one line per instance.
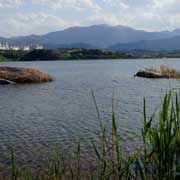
(77, 54)
(101, 59)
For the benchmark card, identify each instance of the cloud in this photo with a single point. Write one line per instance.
(167, 6)
(10, 3)
(144, 14)
(104, 18)
(40, 23)
(73, 4)
(41, 16)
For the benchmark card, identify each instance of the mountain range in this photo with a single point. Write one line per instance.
(167, 44)
(117, 38)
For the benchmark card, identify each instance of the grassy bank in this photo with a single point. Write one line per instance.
(157, 158)
(3, 59)
(11, 55)
(61, 54)
(80, 53)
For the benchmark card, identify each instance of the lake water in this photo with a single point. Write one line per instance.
(34, 118)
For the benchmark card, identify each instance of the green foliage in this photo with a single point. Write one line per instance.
(161, 148)
(14, 169)
(61, 54)
(2, 58)
(70, 54)
(80, 53)
(11, 55)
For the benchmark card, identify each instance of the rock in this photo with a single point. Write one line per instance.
(23, 75)
(5, 81)
(149, 74)
(161, 72)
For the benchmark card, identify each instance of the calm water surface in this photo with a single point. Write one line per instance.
(34, 118)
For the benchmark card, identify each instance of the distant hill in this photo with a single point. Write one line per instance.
(168, 44)
(74, 45)
(96, 36)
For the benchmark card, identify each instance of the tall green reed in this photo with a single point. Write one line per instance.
(161, 142)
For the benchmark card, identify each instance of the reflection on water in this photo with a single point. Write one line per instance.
(34, 118)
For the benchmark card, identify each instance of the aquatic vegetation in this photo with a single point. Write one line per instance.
(157, 158)
(160, 158)
(166, 71)
(23, 75)
(161, 72)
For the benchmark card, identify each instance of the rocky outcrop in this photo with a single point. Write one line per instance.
(149, 74)
(161, 72)
(11, 75)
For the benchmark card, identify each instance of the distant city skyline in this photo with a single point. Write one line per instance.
(25, 17)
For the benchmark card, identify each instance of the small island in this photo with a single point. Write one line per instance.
(161, 72)
(12, 75)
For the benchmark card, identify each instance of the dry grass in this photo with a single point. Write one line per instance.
(24, 75)
(165, 71)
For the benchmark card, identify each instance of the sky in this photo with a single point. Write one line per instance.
(25, 17)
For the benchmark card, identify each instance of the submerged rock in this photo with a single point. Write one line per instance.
(10, 75)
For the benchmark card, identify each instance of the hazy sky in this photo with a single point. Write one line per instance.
(22, 17)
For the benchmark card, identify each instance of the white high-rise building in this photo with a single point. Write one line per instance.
(6, 46)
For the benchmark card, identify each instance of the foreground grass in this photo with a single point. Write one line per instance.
(157, 159)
